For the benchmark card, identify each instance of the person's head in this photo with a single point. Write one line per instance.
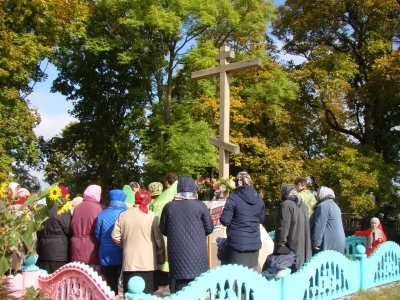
(324, 193)
(155, 189)
(375, 223)
(92, 193)
(142, 199)
(186, 184)
(13, 188)
(243, 178)
(287, 191)
(170, 179)
(117, 196)
(300, 183)
(134, 186)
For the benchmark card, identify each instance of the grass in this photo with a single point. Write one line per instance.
(387, 292)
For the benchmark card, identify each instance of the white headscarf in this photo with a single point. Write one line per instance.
(324, 193)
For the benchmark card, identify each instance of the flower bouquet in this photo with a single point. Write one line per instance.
(58, 195)
(223, 187)
(205, 188)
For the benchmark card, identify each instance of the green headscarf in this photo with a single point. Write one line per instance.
(130, 196)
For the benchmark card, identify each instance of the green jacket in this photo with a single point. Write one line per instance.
(130, 196)
(309, 200)
(157, 205)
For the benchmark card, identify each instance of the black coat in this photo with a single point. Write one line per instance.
(53, 238)
(293, 230)
(243, 213)
(186, 223)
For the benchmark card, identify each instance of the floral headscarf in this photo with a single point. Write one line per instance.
(243, 178)
(288, 192)
(142, 198)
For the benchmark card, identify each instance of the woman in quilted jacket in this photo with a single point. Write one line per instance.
(84, 245)
(186, 222)
(110, 253)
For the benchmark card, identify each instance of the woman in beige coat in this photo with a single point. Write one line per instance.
(138, 233)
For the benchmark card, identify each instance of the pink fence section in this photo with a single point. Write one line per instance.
(76, 281)
(20, 282)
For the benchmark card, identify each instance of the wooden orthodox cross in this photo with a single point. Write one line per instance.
(224, 69)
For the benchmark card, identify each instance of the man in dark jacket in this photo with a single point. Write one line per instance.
(53, 241)
(186, 222)
(243, 213)
(292, 230)
(110, 253)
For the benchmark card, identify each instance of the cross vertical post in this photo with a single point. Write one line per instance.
(223, 70)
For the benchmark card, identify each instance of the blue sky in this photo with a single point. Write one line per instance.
(53, 107)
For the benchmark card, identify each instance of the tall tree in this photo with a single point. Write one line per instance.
(109, 99)
(29, 32)
(169, 28)
(346, 44)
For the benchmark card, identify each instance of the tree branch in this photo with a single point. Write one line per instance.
(333, 123)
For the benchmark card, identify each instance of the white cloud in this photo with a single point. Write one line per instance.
(52, 125)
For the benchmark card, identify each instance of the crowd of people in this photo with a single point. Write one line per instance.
(131, 236)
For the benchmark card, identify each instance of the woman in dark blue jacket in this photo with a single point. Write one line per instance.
(110, 253)
(243, 213)
(187, 223)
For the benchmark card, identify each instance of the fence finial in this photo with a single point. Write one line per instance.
(136, 287)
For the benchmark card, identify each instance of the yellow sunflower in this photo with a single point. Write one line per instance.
(66, 207)
(67, 197)
(54, 193)
(3, 190)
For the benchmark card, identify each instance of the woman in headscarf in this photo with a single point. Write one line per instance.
(243, 213)
(327, 232)
(292, 231)
(186, 223)
(110, 254)
(84, 245)
(137, 233)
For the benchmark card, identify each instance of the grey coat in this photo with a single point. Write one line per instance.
(326, 225)
(292, 230)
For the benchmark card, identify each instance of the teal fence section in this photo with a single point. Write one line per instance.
(327, 275)
(382, 267)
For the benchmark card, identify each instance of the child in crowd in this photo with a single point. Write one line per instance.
(375, 235)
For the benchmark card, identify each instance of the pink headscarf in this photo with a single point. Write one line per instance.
(22, 196)
(13, 188)
(92, 193)
(143, 197)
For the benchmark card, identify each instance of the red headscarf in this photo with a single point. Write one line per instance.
(143, 197)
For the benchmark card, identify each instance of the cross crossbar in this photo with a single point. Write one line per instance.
(229, 68)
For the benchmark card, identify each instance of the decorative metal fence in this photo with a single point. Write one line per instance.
(327, 275)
